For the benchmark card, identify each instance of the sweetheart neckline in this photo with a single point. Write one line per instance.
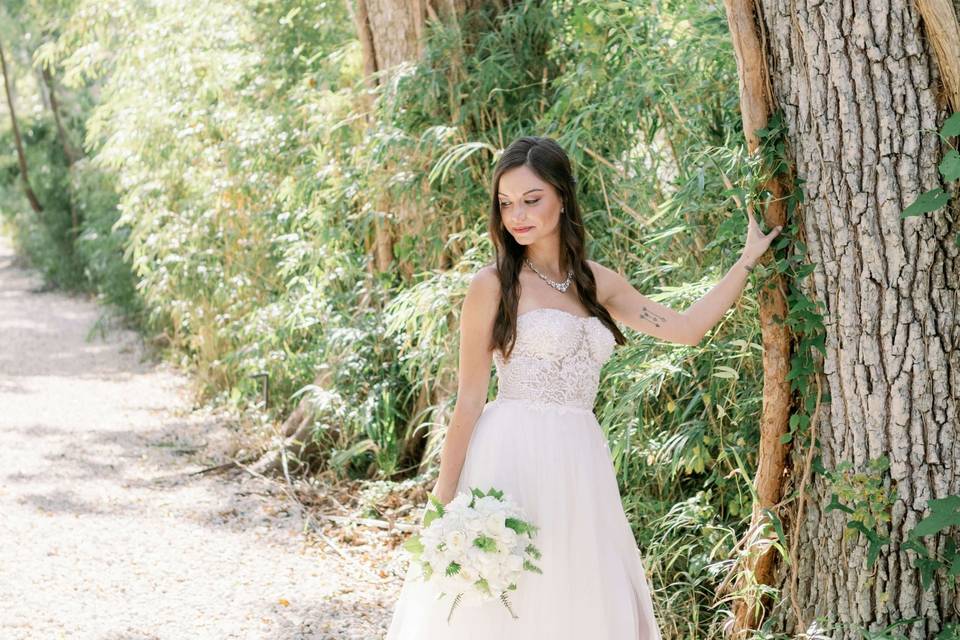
(563, 311)
(567, 313)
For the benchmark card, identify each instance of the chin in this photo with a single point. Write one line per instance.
(524, 239)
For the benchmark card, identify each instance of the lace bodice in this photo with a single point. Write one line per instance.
(556, 359)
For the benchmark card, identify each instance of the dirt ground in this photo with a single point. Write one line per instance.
(105, 535)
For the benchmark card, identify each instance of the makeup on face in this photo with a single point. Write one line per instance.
(531, 197)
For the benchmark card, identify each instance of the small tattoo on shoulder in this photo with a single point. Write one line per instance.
(656, 319)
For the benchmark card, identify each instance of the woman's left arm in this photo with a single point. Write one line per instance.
(708, 310)
(639, 312)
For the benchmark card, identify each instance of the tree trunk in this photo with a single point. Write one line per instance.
(69, 151)
(858, 86)
(390, 32)
(755, 108)
(21, 156)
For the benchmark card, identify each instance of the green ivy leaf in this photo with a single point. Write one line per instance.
(951, 126)
(950, 165)
(875, 539)
(944, 513)
(836, 504)
(926, 202)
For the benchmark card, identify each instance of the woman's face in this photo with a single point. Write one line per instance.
(529, 207)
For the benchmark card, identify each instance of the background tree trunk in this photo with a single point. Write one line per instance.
(859, 87)
(391, 32)
(18, 142)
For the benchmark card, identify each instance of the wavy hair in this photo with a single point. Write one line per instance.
(549, 161)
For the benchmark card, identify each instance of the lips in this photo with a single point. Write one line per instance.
(521, 229)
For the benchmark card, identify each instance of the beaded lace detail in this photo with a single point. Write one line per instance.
(556, 359)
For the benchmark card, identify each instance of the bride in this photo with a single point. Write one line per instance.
(547, 318)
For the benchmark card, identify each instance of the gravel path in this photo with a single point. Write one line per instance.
(105, 536)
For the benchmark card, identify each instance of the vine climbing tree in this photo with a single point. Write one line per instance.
(865, 93)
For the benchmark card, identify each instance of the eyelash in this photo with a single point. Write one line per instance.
(504, 204)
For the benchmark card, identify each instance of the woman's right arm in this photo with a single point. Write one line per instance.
(476, 328)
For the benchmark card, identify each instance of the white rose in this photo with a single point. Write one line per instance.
(456, 540)
(459, 502)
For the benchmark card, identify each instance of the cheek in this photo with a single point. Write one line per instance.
(550, 217)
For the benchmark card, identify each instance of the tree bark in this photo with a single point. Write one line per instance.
(69, 151)
(391, 32)
(21, 156)
(755, 108)
(858, 85)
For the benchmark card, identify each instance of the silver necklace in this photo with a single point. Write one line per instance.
(559, 286)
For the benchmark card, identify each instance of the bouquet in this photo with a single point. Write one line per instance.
(476, 546)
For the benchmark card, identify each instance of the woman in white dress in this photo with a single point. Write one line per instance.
(546, 316)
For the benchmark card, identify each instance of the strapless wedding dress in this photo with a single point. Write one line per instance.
(540, 442)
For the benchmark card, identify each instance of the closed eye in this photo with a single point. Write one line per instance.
(507, 204)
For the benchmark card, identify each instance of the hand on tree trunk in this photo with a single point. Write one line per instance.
(757, 243)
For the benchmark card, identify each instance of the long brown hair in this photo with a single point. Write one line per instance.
(549, 161)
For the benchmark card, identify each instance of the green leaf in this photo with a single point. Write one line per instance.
(944, 513)
(777, 526)
(485, 542)
(818, 467)
(413, 544)
(529, 566)
(926, 202)
(950, 165)
(836, 504)
(436, 503)
(876, 541)
(951, 126)
(928, 567)
(728, 373)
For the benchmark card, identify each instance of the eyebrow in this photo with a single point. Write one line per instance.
(524, 193)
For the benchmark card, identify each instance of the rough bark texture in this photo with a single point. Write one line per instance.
(755, 107)
(857, 82)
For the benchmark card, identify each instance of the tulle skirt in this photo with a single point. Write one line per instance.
(555, 462)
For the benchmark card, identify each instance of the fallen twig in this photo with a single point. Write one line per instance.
(310, 521)
(383, 524)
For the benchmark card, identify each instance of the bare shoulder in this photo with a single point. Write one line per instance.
(486, 280)
(607, 280)
(484, 289)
